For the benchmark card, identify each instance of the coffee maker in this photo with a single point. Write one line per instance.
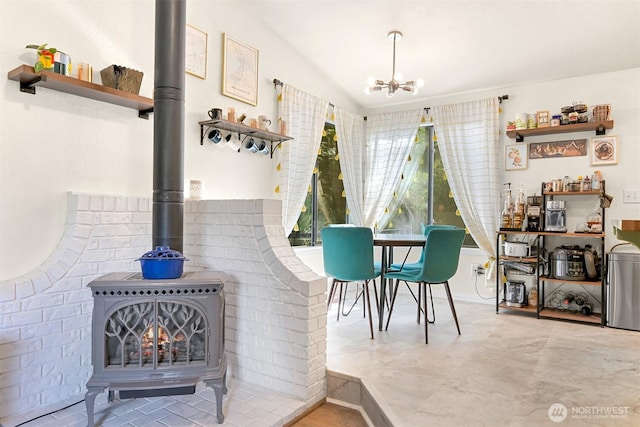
(555, 218)
(533, 213)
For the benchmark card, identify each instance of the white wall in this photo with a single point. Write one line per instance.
(53, 142)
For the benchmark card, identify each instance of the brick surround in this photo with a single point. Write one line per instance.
(275, 315)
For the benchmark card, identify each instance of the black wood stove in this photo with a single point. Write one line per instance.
(157, 337)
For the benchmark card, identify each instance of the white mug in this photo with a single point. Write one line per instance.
(263, 122)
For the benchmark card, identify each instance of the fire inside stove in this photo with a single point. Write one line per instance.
(137, 338)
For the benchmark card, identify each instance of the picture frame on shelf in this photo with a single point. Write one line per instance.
(543, 119)
(516, 157)
(239, 70)
(604, 150)
(196, 52)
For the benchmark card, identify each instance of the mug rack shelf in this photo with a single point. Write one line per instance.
(29, 80)
(242, 129)
(599, 127)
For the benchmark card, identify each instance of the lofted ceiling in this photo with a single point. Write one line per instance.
(456, 46)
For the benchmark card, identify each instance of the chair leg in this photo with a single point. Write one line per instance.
(453, 309)
(340, 303)
(358, 295)
(375, 292)
(419, 303)
(433, 310)
(423, 285)
(366, 290)
(393, 300)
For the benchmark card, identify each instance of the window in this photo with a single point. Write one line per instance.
(325, 203)
(427, 199)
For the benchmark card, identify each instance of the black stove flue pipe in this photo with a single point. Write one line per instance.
(168, 129)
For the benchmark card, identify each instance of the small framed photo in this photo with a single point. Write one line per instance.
(196, 52)
(543, 119)
(239, 71)
(516, 157)
(604, 150)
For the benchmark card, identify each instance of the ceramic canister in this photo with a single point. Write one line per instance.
(521, 120)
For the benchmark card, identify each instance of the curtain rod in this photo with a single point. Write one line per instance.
(277, 82)
(500, 98)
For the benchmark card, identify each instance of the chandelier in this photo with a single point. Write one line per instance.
(394, 84)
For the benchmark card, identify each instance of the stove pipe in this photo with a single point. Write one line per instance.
(168, 129)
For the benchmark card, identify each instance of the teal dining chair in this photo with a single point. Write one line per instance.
(418, 264)
(439, 264)
(347, 253)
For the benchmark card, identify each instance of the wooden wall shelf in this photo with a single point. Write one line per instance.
(29, 80)
(242, 129)
(599, 127)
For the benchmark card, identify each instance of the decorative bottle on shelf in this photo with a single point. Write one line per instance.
(518, 213)
(586, 183)
(506, 216)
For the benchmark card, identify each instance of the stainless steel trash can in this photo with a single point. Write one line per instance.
(623, 290)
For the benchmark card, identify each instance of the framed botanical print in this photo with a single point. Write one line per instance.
(239, 71)
(515, 157)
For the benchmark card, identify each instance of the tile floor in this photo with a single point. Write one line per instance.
(504, 370)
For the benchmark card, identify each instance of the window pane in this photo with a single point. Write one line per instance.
(412, 210)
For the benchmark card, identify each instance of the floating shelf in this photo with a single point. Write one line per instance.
(242, 129)
(599, 127)
(29, 80)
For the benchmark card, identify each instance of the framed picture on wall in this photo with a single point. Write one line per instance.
(239, 71)
(604, 150)
(196, 52)
(516, 157)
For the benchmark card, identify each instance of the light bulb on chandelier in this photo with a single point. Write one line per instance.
(411, 86)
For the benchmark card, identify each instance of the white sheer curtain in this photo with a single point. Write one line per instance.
(350, 132)
(304, 115)
(468, 139)
(389, 139)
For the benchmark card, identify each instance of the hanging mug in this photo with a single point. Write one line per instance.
(251, 145)
(214, 136)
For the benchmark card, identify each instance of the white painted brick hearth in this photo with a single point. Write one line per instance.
(275, 312)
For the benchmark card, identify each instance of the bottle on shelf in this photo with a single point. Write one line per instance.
(506, 216)
(518, 213)
(596, 179)
(586, 183)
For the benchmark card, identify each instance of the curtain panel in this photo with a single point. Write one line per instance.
(350, 132)
(305, 116)
(468, 139)
(389, 138)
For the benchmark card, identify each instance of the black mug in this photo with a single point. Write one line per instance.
(215, 113)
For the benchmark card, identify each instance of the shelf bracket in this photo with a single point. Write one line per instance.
(274, 148)
(144, 114)
(30, 86)
(600, 130)
(519, 137)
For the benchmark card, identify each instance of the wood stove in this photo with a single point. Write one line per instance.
(157, 337)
